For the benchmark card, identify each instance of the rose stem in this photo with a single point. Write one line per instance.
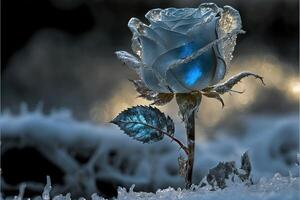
(190, 132)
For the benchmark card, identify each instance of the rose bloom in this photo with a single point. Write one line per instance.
(183, 50)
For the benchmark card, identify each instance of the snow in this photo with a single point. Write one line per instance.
(155, 165)
(275, 188)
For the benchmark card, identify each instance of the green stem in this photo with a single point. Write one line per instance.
(190, 132)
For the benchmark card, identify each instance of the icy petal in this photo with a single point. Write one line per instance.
(171, 39)
(194, 75)
(150, 50)
(229, 22)
(139, 28)
(131, 61)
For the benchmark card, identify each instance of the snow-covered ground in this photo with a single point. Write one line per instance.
(275, 188)
(272, 143)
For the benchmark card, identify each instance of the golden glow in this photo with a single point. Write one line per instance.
(294, 87)
(276, 76)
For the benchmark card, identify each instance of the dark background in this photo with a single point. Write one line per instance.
(61, 53)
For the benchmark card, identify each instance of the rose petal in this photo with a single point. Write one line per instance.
(166, 59)
(136, 45)
(182, 26)
(150, 50)
(171, 14)
(168, 18)
(150, 79)
(171, 39)
(154, 17)
(170, 58)
(220, 70)
(203, 15)
(204, 32)
(130, 60)
(229, 22)
(194, 75)
(139, 28)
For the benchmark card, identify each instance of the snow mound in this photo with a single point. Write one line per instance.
(276, 188)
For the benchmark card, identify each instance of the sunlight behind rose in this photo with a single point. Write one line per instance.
(276, 75)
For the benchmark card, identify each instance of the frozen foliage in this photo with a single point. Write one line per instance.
(145, 123)
(111, 155)
(272, 143)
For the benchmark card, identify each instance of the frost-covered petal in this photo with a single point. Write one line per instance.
(136, 45)
(140, 32)
(130, 60)
(139, 28)
(230, 22)
(172, 14)
(205, 13)
(178, 43)
(154, 17)
(167, 18)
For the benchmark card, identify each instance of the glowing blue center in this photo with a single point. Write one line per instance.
(186, 50)
(192, 75)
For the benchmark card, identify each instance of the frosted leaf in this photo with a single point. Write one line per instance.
(145, 124)
(215, 95)
(232, 81)
(229, 22)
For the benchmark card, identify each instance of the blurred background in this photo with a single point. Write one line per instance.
(58, 68)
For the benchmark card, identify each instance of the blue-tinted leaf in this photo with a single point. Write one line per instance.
(144, 123)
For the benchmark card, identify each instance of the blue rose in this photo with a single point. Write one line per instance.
(185, 49)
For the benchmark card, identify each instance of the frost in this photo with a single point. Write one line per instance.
(276, 188)
(155, 165)
(129, 60)
(159, 99)
(144, 123)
